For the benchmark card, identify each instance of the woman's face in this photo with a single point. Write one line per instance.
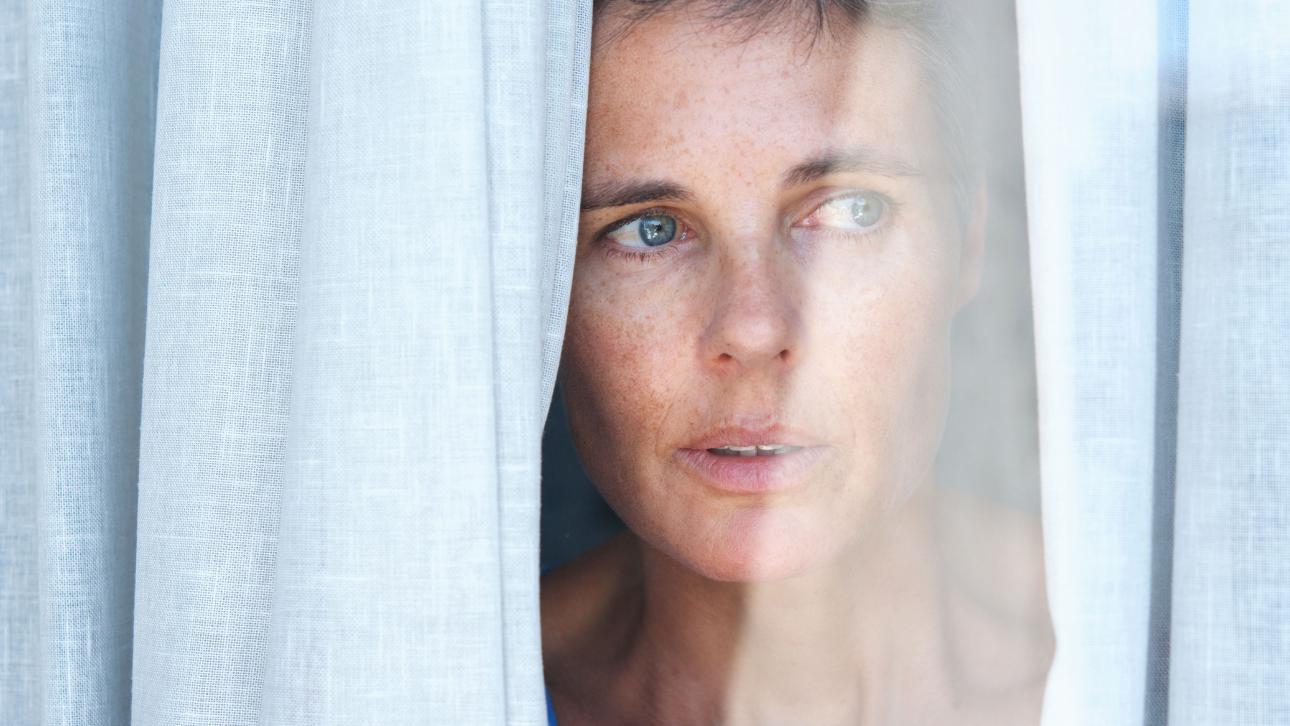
(766, 257)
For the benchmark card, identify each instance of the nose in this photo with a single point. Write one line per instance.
(755, 318)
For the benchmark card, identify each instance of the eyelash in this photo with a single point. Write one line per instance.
(640, 256)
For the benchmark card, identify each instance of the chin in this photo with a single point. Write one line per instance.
(757, 545)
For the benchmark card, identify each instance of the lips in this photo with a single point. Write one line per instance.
(744, 436)
(743, 460)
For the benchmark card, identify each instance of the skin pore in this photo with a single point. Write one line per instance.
(768, 252)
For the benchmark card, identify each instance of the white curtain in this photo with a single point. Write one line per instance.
(1157, 138)
(282, 290)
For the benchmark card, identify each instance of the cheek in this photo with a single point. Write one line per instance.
(623, 360)
(620, 340)
(892, 349)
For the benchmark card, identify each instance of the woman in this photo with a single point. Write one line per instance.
(780, 221)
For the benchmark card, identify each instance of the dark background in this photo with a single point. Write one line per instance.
(574, 516)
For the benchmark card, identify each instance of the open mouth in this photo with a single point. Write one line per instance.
(753, 460)
(759, 450)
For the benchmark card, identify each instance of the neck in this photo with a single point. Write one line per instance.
(830, 645)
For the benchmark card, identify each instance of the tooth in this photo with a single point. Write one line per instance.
(754, 450)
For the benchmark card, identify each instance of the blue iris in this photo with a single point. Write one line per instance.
(866, 211)
(657, 229)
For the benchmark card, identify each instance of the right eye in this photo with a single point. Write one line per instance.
(647, 231)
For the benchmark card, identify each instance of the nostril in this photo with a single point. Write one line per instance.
(749, 335)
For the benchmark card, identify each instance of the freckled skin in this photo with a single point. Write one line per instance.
(845, 338)
(830, 601)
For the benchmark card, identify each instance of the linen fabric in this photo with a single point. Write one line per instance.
(1089, 115)
(282, 288)
(1157, 158)
(1230, 658)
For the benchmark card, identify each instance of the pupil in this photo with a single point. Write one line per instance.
(657, 230)
(865, 212)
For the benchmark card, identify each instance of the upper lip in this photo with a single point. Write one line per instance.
(749, 436)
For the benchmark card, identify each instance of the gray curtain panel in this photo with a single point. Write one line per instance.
(1157, 140)
(282, 293)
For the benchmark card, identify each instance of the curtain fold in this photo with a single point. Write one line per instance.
(1157, 173)
(1230, 658)
(347, 231)
(221, 319)
(19, 497)
(390, 559)
(1089, 113)
(78, 132)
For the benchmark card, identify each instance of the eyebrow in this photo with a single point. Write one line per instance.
(858, 159)
(621, 194)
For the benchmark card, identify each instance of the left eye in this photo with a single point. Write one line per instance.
(857, 212)
(651, 230)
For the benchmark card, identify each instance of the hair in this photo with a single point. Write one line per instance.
(927, 24)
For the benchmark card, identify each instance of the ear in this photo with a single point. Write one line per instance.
(972, 252)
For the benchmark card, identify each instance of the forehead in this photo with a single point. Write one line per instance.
(673, 92)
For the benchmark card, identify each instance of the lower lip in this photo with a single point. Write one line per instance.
(751, 474)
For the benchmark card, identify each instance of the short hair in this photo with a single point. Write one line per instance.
(928, 25)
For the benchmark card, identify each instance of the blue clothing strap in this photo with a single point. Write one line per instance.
(550, 712)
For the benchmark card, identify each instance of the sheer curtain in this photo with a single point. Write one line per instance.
(282, 290)
(1158, 168)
